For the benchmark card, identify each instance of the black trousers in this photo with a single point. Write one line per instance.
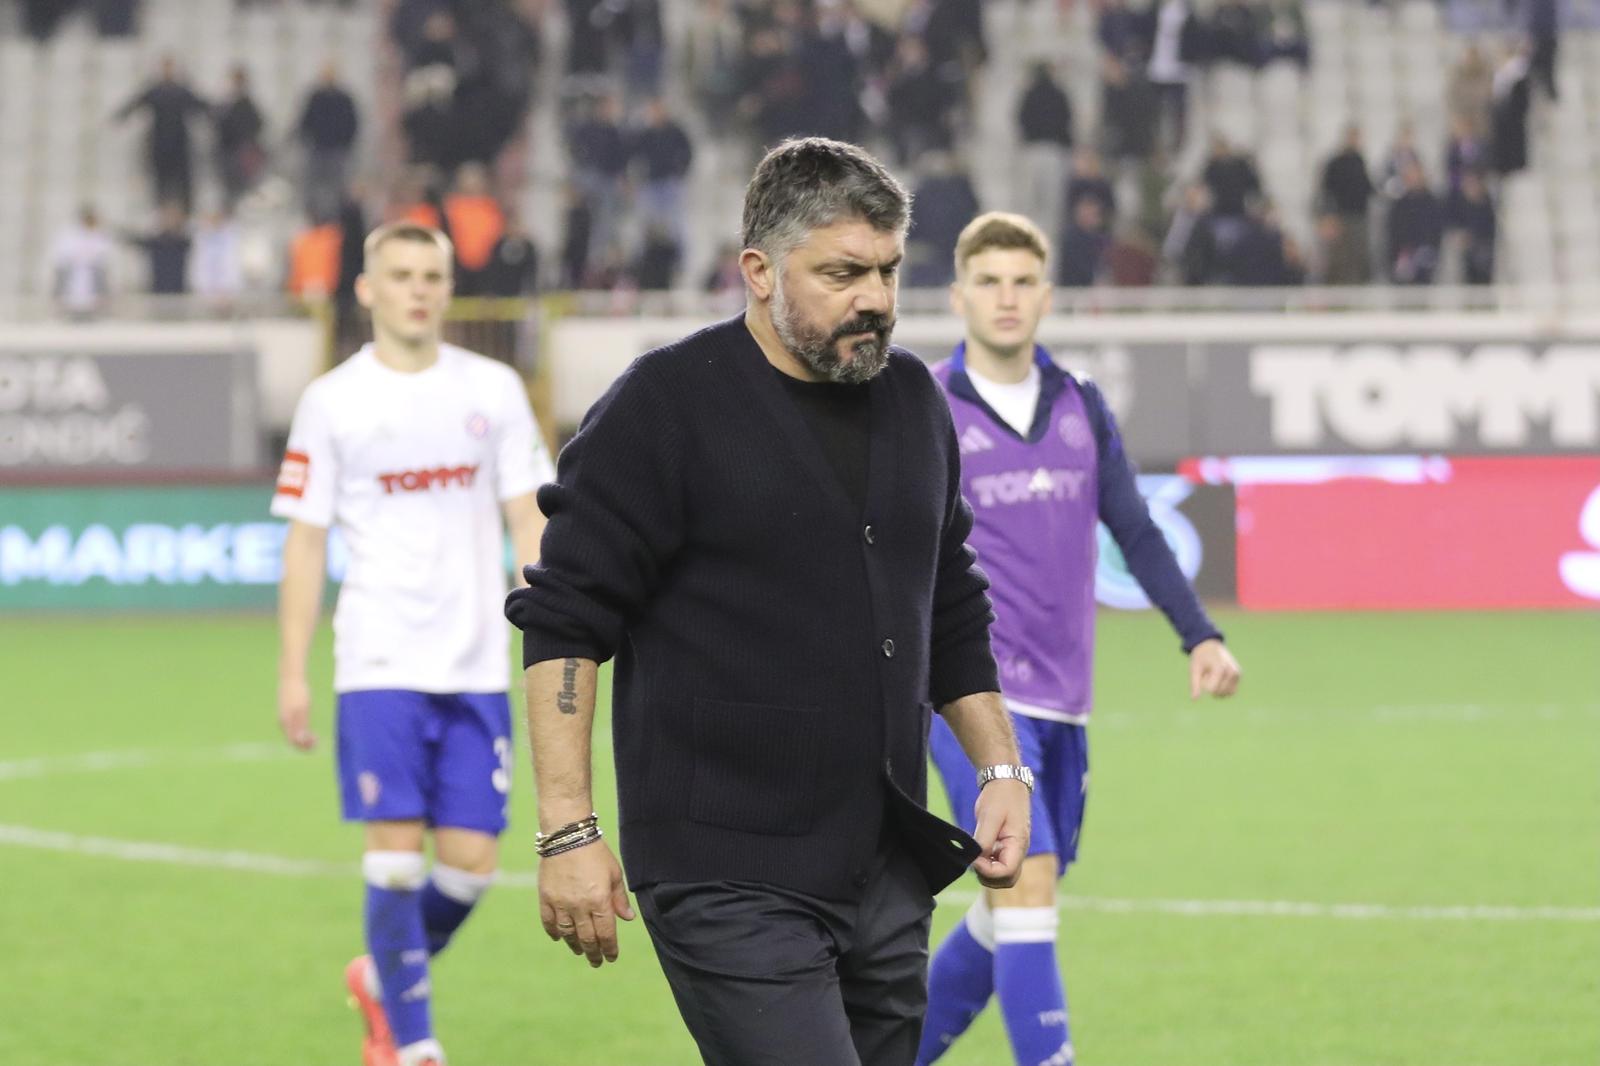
(768, 977)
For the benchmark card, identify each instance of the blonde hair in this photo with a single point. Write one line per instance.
(1000, 229)
(413, 232)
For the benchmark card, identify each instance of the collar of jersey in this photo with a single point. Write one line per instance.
(1052, 383)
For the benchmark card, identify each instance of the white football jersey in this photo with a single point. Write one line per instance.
(412, 468)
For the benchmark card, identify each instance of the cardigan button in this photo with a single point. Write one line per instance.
(869, 535)
(888, 649)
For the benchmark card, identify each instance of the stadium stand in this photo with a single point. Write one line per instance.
(1283, 97)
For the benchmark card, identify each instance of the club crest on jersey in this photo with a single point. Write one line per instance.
(477, 425)
(440, 477)
(292, 474)
(1074, 430)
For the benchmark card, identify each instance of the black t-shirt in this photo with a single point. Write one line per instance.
(839, 415)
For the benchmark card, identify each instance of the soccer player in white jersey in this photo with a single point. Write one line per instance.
(413, 448)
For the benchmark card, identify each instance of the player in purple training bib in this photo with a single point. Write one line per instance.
(1041, 465)
(416, 451)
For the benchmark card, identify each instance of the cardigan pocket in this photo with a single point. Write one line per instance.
(755, 767)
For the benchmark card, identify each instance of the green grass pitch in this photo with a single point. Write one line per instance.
(1409, 762)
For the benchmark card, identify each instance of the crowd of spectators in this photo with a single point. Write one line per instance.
(896, 75)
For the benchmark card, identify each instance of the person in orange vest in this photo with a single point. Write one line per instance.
(477, 223)
(314, 261)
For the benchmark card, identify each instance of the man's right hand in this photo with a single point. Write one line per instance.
(294, 712)
(581, 896)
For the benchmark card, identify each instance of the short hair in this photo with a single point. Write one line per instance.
(806, 183)
(404, 230)
(1000, 229)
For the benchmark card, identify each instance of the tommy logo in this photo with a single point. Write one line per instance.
(477, 425)
(370, 787)
(975, 440)
(440, 477)
(1025, 486)
(292, 474)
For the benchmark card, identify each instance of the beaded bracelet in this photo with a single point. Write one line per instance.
(572, 844)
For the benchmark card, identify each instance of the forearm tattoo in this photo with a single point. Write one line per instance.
(567, 698)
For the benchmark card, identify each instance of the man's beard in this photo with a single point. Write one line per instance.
(820, 351)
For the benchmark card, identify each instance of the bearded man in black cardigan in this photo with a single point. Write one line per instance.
(763, 523)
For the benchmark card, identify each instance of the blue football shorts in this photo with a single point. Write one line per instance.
(1058, 753)
(442, 759)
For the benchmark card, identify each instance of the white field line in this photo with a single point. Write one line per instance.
(285, 866)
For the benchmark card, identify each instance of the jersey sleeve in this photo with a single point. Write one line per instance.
(309, 477)
(522, 462)
(1127, 516)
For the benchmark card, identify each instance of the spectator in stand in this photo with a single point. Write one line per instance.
(115, 18)
(1286, 34)
(1471, 90)
(599, 150)
(215, 270)
(774, 87)
(944, 202)
(1169, 69)
(408, 25)
(1129, 111)
(475, 224)
(1132, 260)
(639, 39)
(954, 34)
(1089, 182)
(349, 323)
(1464, 151)
(1190, 248)
(428, 92)
(659, 258)
(1473, 230)
(662, 153)
(1542, 22)
(834, 101)
(168, 102)
(712, 54)
(1083, 245)
(1402, 154)
(1346, 204)
(1044, 120)
(577, 238)
(1416, 228)
(314, 256)
(166, 251)
(513, 267)
(80, 266)
(1511, 93)
(1122, 32)
(241, 159)
(1231, 178)
(1235, 34)
(588, 45)
(327, 128)
(724, 277)
(920, 103)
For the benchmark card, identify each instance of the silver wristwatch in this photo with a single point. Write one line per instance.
(1014, 773)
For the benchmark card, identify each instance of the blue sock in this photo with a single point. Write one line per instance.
(447, 899)
(960, 981)
(397, 941)
(1027, 980)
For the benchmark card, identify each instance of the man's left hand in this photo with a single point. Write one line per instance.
(1003, 812)
(1212, 669)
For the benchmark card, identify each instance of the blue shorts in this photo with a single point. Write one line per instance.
(442, 759)
(1058, 753)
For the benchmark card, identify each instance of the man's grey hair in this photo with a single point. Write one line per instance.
(806, 183)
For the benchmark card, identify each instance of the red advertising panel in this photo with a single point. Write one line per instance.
(1416, 532)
